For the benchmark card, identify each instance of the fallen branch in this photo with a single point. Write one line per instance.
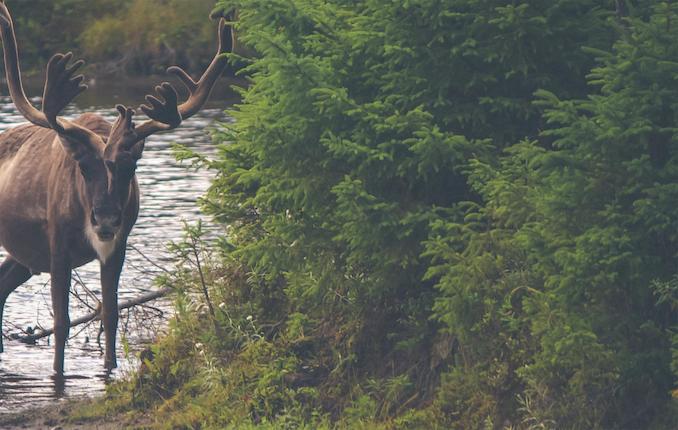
(96, 315)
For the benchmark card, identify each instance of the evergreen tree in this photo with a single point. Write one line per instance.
(436, 207)
(353, 146)
(563, 265)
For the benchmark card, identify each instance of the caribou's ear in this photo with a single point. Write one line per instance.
(79, 147)
(137, 149)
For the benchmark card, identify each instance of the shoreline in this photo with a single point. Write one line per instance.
(63, 414)
(105, 90)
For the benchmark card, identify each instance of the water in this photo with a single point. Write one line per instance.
(168, 197)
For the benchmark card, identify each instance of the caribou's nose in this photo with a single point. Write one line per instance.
(106, 218)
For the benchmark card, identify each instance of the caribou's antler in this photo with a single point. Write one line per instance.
(13, 70)
(163, 111)
(123, 132)
(200, 91)
(166, 115)
(61, 87)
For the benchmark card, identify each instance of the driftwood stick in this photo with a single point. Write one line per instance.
(93, 316)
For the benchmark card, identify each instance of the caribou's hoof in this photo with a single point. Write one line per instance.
(111, 364)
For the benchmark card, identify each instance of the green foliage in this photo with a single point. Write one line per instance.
(149, 34)
(364, 94)
(441, 214)
(558, 264)
(128, 36)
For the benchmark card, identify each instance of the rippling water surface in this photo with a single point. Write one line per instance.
(168, 198)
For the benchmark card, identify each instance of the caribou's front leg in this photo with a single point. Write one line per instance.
(61, 285)
(12, 274)
(110, 276)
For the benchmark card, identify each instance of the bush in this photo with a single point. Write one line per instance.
(132, 36)
(442, 214)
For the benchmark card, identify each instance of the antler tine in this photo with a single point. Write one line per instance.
(167, 115)
(200, 91)
(163, 111)
(123, 132)
(185, 78)
(61, 87)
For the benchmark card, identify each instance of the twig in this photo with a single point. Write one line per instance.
(93, 316)
(145, 257)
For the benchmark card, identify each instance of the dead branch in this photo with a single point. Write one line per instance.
(93, 316)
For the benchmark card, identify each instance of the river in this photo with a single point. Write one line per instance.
(168, 198)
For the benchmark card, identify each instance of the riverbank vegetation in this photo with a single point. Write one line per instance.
(440, 214)
(137, 37)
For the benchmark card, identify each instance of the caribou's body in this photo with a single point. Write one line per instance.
(34, 164)
(68, 191)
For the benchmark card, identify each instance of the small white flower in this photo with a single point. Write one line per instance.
(198, 346)
(222, 305)
(249, 318)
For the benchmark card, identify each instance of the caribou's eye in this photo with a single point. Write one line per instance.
(85, 170)
(89, 165)
(126, 166)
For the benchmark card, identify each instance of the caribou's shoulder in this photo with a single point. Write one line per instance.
(13, 139)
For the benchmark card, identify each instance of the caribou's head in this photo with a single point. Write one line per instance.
(108, 174)
(107, 165)
(106, 168)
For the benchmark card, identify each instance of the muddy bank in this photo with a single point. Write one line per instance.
(67, 415)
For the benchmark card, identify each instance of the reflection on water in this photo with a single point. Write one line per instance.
(168, 196)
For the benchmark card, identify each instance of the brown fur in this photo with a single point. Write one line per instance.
(96, 123)
(11, 140)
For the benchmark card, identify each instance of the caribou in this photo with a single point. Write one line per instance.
(68, 190)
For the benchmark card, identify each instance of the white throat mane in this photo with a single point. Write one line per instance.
(103, 249)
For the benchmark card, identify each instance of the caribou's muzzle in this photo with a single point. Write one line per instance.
(105, 236)
(106, 223)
